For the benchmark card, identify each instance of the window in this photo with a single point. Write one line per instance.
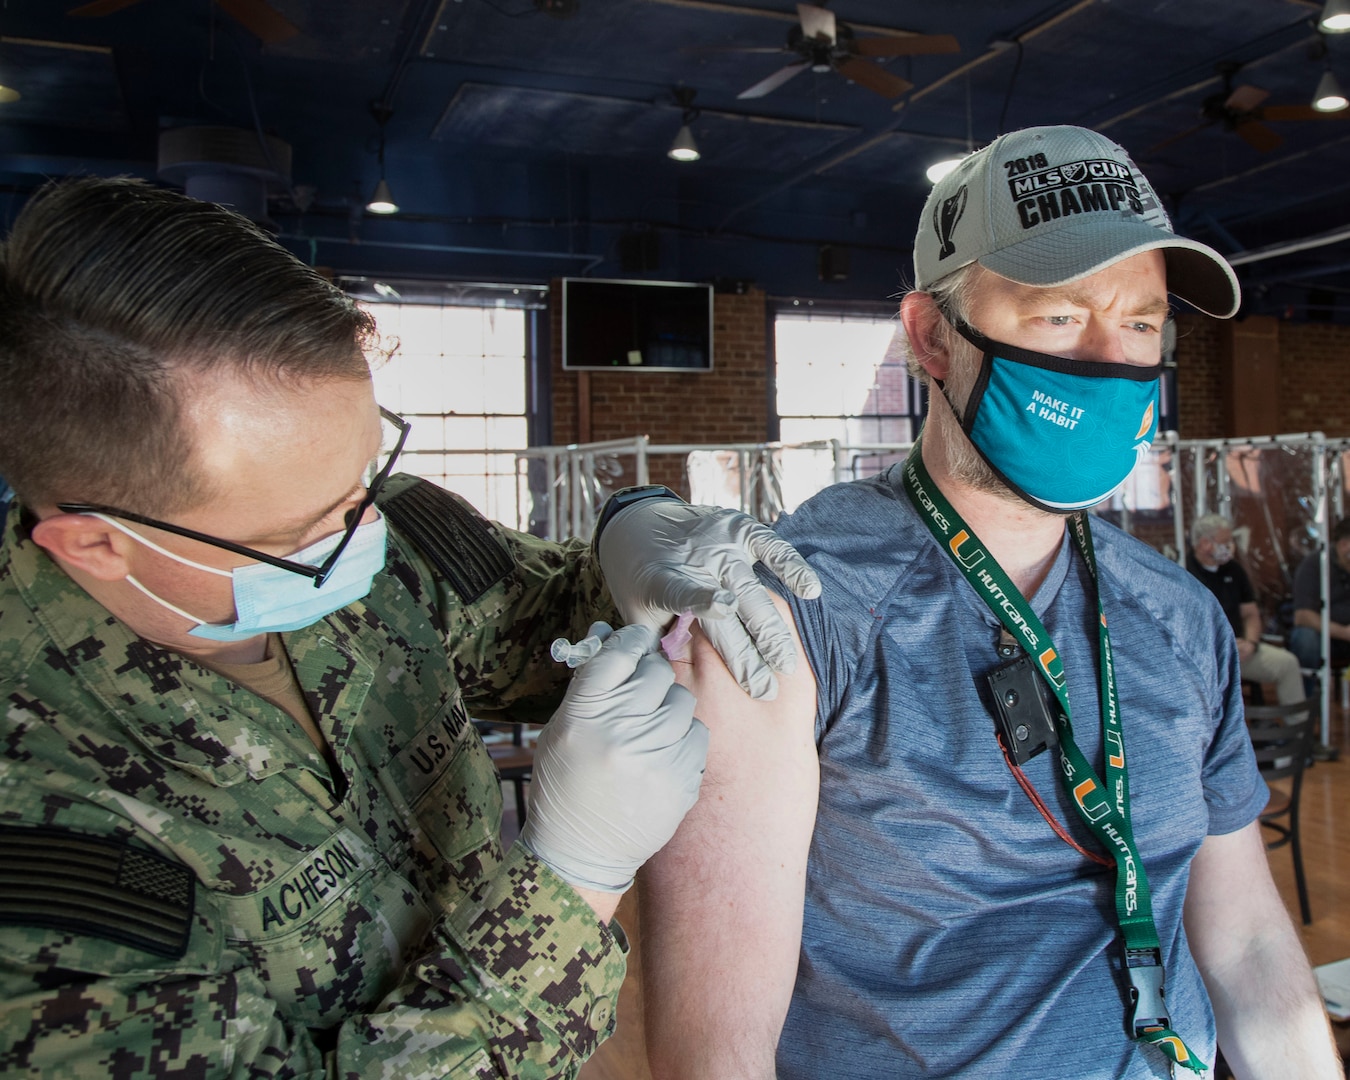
(458, 374)
(844, 377)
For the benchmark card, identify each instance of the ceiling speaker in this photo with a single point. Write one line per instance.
(639, 251)
(832, 263)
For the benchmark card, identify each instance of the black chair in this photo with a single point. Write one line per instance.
(1283, 738)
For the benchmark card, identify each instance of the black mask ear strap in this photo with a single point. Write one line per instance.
(942, 388)
(964, 328)
(966, 416)
(941, 384)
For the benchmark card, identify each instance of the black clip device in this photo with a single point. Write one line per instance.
(1025, 717)
(1148, 1011)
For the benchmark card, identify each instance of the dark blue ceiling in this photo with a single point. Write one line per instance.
(523, 145)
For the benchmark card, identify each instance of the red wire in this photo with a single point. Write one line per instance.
(1036, 801)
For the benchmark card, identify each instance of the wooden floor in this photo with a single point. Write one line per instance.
(1326, 852)
(1326, 859)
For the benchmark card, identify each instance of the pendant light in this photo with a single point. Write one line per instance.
(684, 148)
(1329, 97)
(382, 201)
(1335, 17)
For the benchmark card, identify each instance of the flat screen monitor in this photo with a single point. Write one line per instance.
(636, 325)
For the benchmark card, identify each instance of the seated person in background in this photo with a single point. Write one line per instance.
(938, 921)
(1213, 564)
(246, 826)
(1305, 639)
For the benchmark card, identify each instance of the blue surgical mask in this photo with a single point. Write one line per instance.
(268, 599)
(1063, 434)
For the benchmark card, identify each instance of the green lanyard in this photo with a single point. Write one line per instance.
(1107, 817)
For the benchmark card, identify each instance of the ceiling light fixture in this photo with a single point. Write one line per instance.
(7, 92)
(382, 201)
(939, 169)
(1329, 96)
(684, 148)
(1335, 17)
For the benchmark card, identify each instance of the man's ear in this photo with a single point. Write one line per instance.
(924, 326)
(85, 543)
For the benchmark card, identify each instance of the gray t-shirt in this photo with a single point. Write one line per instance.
(948, 931)
(1308, 588)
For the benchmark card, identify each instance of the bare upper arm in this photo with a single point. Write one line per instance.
(1266, 1003)
(1230, 889)
(722, 902)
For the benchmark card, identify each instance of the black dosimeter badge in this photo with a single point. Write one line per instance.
(1023, 710)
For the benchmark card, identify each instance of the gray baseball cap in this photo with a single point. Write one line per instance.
(1049, 205)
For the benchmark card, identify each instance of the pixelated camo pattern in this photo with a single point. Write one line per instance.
(357, 923)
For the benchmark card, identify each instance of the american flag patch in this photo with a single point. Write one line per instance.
(96, 885)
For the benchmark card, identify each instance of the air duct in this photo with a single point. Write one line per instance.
(230, 166)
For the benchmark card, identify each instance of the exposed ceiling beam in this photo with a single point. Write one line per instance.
(1290, 247)
(1273, 163)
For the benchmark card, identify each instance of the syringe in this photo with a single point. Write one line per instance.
(574, 656)
(672, 645)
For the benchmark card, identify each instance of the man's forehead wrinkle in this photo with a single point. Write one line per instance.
(1076, 295)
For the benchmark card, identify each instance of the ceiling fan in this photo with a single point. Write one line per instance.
(823, 43)
(1242, 111)
(258, 17)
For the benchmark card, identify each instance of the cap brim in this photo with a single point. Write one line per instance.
(1196, 273)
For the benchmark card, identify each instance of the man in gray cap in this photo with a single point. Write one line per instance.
(1003, 822)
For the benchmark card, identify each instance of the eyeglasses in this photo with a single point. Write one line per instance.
(318, 573)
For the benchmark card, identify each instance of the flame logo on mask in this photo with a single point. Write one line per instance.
(1145, 423)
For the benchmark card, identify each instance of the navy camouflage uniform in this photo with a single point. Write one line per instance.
(188, 889)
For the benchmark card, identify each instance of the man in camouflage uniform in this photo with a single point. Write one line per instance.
(247, 827)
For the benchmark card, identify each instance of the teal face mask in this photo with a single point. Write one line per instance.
(1063, 434)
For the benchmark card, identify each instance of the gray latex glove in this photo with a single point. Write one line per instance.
(661, 558)
(617, 767)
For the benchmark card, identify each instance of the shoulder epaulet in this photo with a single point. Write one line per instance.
(100, 886)
(456, 540)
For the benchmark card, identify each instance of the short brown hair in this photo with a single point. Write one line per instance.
(112, 293)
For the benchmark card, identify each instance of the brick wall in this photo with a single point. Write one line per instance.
(1314, 376)
(1199, 398)
(726, 405)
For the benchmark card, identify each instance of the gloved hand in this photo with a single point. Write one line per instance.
(661, 558)
(617, 767)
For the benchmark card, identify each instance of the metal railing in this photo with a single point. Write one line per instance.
(1299, 479)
